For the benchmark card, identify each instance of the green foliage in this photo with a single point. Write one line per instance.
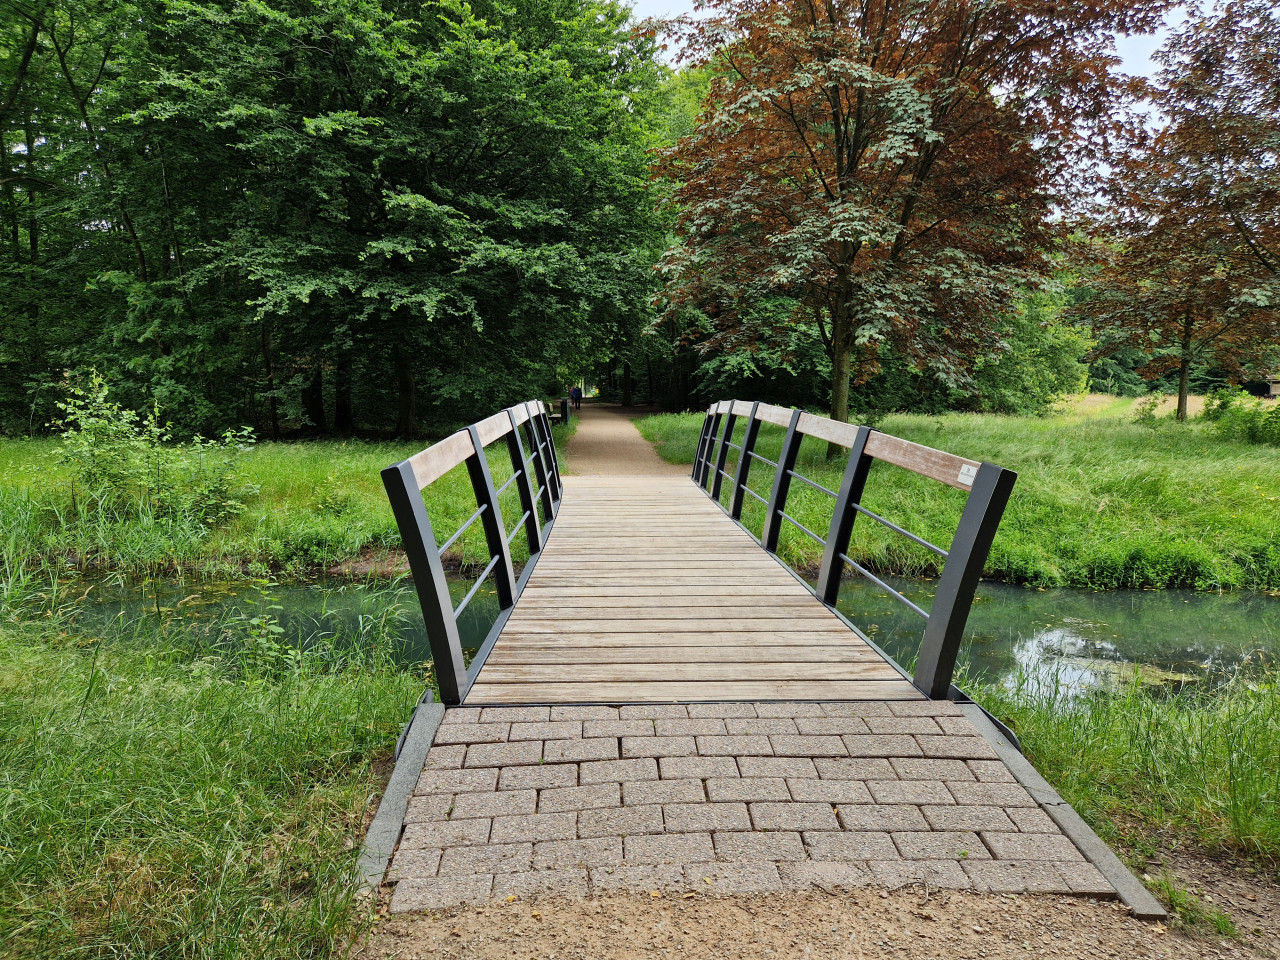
(1237, 416)
(130, 466)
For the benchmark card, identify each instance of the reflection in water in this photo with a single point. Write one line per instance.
(1068, 639)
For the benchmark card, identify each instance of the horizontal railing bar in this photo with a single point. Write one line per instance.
(752, 493)
(787, 516)
(735, 446)
(475, 586)
(880, 583)
(515, 476)
(906, 533)
(817, 486)
(519, 523)
(463, 529)
(772, 463)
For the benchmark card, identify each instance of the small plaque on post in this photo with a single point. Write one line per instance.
(967, 474)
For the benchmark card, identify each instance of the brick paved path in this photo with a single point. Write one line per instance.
(721, 798)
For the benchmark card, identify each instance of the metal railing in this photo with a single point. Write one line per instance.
(988, 487)
(523, 427)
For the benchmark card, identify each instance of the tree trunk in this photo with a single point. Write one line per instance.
(1184, 371)
(313, 400)
(841, 355)
(406, 396)
(626, 383)
(343, 416)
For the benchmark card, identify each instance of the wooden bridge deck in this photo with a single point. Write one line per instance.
(647, 592)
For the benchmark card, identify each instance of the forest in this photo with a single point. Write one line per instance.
(383, 218)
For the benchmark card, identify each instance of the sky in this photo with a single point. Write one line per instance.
(1135, 51)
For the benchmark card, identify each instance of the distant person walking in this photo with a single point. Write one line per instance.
(575, 394)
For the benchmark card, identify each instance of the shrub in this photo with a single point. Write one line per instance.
(1238, 416)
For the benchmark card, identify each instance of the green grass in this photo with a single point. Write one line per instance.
(318, 504)
(154, 803)
(1100, 501)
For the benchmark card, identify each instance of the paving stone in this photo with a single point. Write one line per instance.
(503, 754)
(514, 714)
(651, 711)
(758, 846)
(684, 768)
(727, 878)
(620, 822)
(575, 751)
(882, 745)
(830, 726)
(546, 730)
(669, 848)
(413, 864)
(935, 873)
(856, 768)
(1031, 820)
(942, 845)
(559, 883)
(665, 877)
(505, 803)
(829, 791)
(731, 789)
(538, 826)
(801, 746)
(793, 816)
(491, 858)
(456, 781)
(924, 708)
(754, 726)
(926, 725)
(824, 876)
(1031, 846)
(909, 791)
(957, 726)
(857, 709)
(616, 771)
(881, 816)
(416, 895)
(460, 715)
(658, 746)
(696, 817)
(592, 852)
(434, 808)
(975, 818)
(990, 771)
(1085, 878)
(471, 733)
(995, 794)
(741, 746)
(702, 710)
(777, 767)
(963, 748)
(791, 710)
(640, 792)
(914, 768)
(999, 876)
(594, 796)
(618, 728)
(539, 776)
(846, 846)
(584, 713)
(445, 757)
(684, 727)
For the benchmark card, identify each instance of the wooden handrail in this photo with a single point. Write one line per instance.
(404, 483)
(988, 487)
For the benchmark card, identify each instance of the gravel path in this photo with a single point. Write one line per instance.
(607, 443)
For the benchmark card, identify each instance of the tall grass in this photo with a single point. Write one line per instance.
(1100, 502)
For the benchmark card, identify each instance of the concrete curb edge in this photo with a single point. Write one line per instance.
(1129, 889)
(384, 832)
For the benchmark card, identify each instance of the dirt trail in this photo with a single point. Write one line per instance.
(608, 443)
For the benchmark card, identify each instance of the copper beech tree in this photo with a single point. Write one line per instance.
(888, 166)
(1191, 252)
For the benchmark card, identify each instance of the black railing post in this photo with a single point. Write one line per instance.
(851, 487)
(950, 612)
(528, 504)
(717, 478)
(702, 445)
(547, 449)
(539, 465)
(705, 463)
(744, 462)
(781, 484)
(553, 461)
(564, 409)
(504, 578)
(428, 580)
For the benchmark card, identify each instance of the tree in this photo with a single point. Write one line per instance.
(1191, 251)
(887, 164)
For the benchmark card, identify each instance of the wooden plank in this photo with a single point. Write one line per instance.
(582, 626)
(843, 639)
(938, 464)
(533, 653)
(540, 673)
(585, 596)
(493, 428)
(692, 691)
(431, 464)
(781, 416)
(656, 609)
(824, 428)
